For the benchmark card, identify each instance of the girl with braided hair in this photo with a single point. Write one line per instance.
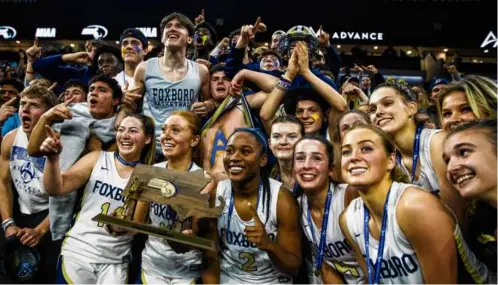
(259, 228)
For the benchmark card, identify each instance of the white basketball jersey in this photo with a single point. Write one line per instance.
(428, 178)
(400, 264)
(87, 239)
(158, 258)
(241, 261)
(27, 175)
(337, 253)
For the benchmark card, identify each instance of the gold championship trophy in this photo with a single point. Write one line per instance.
(179, 190)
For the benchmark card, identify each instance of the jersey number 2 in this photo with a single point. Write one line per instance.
(248, 266)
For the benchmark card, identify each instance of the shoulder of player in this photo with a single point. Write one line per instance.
(203, 70)
(91, 158)
(415, 204)
(437, 140)
(285, 199)
(7, 142)
(140, 70)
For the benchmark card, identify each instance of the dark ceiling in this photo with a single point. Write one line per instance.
(455, 23)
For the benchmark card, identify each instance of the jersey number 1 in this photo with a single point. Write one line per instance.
(105, 209)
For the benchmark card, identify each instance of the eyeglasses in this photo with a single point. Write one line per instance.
(436, 90)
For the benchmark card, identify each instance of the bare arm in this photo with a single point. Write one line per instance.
(204, 73)
(58, 184)
(270, 107)
(256, 100)
(211, 273)
(6, 194)
(285, 253)
(432, 238)
(38, 135)
(264, 81)
(336, 101)
(349, 239)
(449, 195)
(330, 276)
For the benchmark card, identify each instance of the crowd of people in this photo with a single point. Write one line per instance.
(329, 174)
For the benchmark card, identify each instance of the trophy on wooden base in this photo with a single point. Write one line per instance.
(179, 190)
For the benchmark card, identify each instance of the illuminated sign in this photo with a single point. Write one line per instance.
(358, 36)
(491, 38)
(45, 33)
(97, 31)
(7, 32)
(148, 32)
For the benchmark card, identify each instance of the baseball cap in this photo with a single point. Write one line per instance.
(438, 81)
(295, 95)
(135, 33)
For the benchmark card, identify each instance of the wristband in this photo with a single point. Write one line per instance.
(283, 84)
(7, 223)
(30, 72)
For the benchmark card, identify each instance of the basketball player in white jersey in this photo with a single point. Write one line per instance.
(393, 108)
(163, 261)
(89, 253)
(259, 227)
(170, 82)
(29, 221)
(321, 204)
(399, 232)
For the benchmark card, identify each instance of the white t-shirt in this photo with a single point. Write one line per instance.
(122, 76)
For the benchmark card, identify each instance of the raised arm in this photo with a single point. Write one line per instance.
(432, 238)
(39, 134)
(57, 183)
(336, 101)
(270, 106)
(265, 82)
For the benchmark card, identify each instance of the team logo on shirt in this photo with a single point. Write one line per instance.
(27, 172)
(29, 164)
(172, 97)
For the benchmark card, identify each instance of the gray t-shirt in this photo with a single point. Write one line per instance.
(163, 97)
(74, 137)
